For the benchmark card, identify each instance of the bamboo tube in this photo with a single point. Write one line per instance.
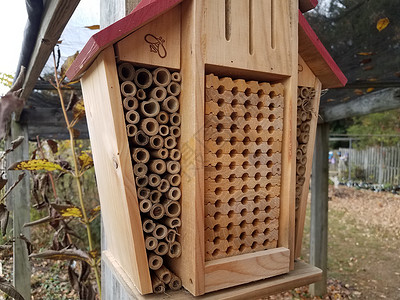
(305, 127)
(149, 126)
(304, 92)
(299, 121)
(172, 209)
(140, 170)
(151, 243)
(176, 76)
(170, 104)
(145, 205)
(304, 116)
(155, 261)
(172, 222)
(163, 130)
(160, 153)
(141, 155)
(156, 142)
(174, 88)
(162, 248)
(299, 101)
(140, 138)
(130, 103)
(150, 108)
(132, 117)
(174, 193)
(164, 274)
(155, 196)
(175, 119)
(298, 132)
(299, 189)
(171, 235)
(303, 160)
(143, 78)
(175, 249)
(175, 154)
(300, 170)
(174, 179)
(141, 94)
(175, 283)
(160, 231)
(158, 93)
(157, 284)
(142, 181)
(175, 131)
(303, 148)
(148, 226)
(131, 130)
(300, 180)
(158, 166)
(173, 167)
(126, 71)
(143, 193)
(162, 117)
(169, 142)
(161, 77)
(154, 180)
(164, 186)
(128, 89)
(303, 138)
(157, 211)
(299, 154)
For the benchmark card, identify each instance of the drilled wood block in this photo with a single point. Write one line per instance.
(239, 182)
(251, 147)
(249, 136)
(241, 122)
(241, 110)
(251, 171)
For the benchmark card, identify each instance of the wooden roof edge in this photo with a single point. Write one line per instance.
(145, 12)
(306, 5)
(317, 57)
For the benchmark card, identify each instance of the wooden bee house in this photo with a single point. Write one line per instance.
(202, 117)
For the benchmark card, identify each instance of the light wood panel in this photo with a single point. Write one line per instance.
(143, 46)
(231, 271)
(249, 34)
(113, 168)
(305, 76)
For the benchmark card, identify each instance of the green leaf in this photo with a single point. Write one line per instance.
(35, 165)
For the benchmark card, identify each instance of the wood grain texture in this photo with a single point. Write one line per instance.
(317, 57)
(301, 211)
(190, 266)
(134, 47)
(305, 76)
(113, 168)
(145, 12)
(247, 38)
(228, 272)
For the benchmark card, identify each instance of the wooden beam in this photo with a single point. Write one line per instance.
(19, 203)
(378, 101)
(306, 5)
(55, 17)
(319, 208)
(112, 11)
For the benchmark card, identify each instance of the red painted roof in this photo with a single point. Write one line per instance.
(306, 5)
(145, 11)
(317, 57)
(310, 47)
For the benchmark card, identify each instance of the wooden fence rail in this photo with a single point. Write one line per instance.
(378, 165)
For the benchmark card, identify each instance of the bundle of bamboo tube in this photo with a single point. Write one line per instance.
(151, 105)
(305, 96)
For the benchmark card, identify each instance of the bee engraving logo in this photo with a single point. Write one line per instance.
(156, 45)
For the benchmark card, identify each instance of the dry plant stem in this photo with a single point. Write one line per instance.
(77, 174)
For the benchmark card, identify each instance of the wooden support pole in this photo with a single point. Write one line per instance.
(19, 204)
(319, 208)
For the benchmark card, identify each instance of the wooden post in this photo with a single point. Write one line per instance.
(19, 203)
(319, 208)
(112, 11)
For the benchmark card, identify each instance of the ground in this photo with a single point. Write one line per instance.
(364, 256)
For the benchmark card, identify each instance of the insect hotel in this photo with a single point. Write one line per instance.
(202, 118)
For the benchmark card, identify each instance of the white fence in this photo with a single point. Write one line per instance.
(379, 165)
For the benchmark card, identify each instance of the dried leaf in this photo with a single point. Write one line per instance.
(53, 146)
(73, 99)
(76, 133)
(365, 53)
(3, 181)
(382, 24)
(68, 62)
(369, 90)
(365, 61)
(79, 280)
(367, 68)
(85, 160)
(79, 112)
(9, 289)
(358, 92)
(36, 164)
(14, 144)
(47, 219)
(65, 254)
(67, 210)
(4, 213)
(93, 27)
